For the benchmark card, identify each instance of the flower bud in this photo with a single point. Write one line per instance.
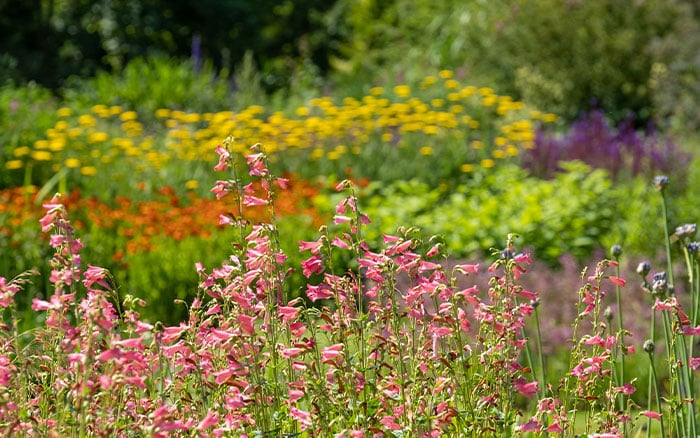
(616, 251)
(649, 346)
(643, 268)
(608, 314)
(660, 182)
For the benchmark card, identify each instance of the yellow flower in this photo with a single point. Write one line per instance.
(115, 109)
(192, 184)
(21, 151)
(426, 150)
(550, 118)
(128, 115)
(88, 170)
(477, 144)
(466, 167)
(41, 155)
(451, 84)
(61, 125)
(86, 120)
(437, 103)
(430, 129)
(376, 91)
(402, 90)
(445, 74)
(14, 164)
(498, 154)
(64, 112)
(97, 137)
(162, 113)
(72, 163)
(41, 144)
(302, 111)
(487, 163)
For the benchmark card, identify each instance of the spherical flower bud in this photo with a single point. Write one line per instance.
(616, 251)
(649, 346)
(660, 182)
(643, 268)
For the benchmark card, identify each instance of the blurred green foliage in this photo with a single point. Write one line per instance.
(51, 40)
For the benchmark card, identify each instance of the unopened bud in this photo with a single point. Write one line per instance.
(649, 346)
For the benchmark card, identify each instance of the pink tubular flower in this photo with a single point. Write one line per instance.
(224, 158)
(211, 419)
(247, 324)
(221, 189)
(7, 292)
(618, 281)
(651, 414)
(330, 353)
(288, 313)
(313, 265)
(303, 417)
(528, 389)
(252, 201)
(389, 422)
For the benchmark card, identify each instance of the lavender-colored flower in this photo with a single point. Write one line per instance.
(660, 182)
(659, 284)
(686, 232)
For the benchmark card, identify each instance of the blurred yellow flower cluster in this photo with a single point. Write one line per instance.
(439, 110)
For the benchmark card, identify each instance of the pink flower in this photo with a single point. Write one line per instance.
(389, 422)
(330, 353)
(314, 247)
(651, 414)
(288, 313)
(692, 331)
(252, 201)
(221, 189)
(466, 269)
(211, 419)
(626, 389)
(694, 363)
(340, 219)
(247, 324)
(291, 352)
(618, 281)
(530, 426)
(224, 158)
(303, 417)
(528, 389)
(295, 394)
(312, 265)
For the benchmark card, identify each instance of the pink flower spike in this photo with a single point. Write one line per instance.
(432, 252)
(651, 414)
(618, 281)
